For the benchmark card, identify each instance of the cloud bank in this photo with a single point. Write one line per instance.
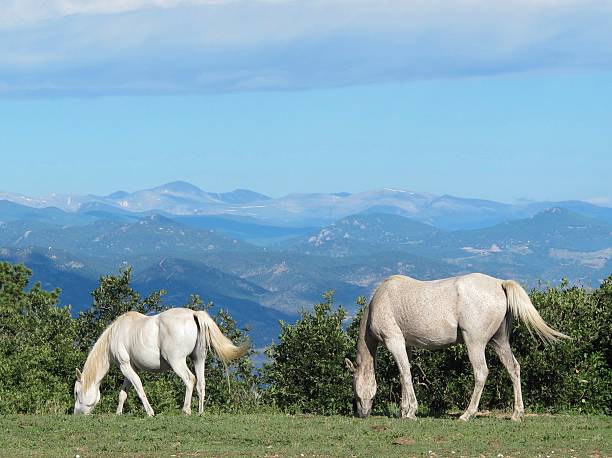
(101, 47)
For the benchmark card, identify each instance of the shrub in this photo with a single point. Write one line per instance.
(307, 371)
(37, 355)
(574, 375)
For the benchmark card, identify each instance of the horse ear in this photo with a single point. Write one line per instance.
(78, 374)
(349, 365)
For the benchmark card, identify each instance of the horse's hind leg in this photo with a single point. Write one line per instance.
(397, 347)
(132, 376)
(179, 365)
(123, 394)
(199, 366)
(476, 353)
(501, 343)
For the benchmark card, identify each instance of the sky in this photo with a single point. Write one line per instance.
(500, 100)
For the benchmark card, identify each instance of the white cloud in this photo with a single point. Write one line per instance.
(143, 46)
(16, 13)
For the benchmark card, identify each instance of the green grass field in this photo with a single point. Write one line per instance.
(277, 435)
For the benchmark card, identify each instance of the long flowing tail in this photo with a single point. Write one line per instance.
(521, 307)
(210, 336)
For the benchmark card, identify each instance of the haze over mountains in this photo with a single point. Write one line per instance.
(264, 258)
(181, 198)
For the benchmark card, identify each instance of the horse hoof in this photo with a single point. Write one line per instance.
(464, 417)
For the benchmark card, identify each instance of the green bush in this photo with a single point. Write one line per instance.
(307, 371)
(574, 375)
(37, 353)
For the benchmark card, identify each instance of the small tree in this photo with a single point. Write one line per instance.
(37, 355)
(307, 372)
(577, 374)
(113, 297)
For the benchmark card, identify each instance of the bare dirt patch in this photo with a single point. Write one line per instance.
(403, 441)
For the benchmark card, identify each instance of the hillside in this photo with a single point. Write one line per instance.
(365, 234)
(263, 271)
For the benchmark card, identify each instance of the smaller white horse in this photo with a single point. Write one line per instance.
(161, 342)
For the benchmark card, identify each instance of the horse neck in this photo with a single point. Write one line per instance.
(98, 360)
(366, 343)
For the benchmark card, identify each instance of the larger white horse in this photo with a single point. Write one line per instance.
(161, 342)
(475, 309)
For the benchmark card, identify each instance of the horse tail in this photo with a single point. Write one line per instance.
(520, 305)
(210, 336)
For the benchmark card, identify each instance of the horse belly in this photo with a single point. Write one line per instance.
(145, 353)
(431, 334)
(149, 360)
(432, 342)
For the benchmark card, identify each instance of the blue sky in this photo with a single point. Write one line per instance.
(498, 100)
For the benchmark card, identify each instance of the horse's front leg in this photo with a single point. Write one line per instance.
(132, 376)
(397, 347)
(123, 394)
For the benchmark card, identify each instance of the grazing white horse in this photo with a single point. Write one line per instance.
(160, 342)
(475, 309)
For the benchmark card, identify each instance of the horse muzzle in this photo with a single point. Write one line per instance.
(362, 413)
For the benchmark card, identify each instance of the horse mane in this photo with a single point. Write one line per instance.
(98, 359)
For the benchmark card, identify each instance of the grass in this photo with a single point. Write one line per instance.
(277, 435)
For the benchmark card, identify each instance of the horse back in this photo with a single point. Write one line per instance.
(431, 314)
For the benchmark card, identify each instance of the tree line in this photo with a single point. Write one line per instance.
(41, 344)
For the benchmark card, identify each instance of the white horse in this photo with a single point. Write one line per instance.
(161, 342)
(475, 309)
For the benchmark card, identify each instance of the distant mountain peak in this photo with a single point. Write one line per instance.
(241, 196)
(158, 219)
(563, 216)
(180, 186)
(556, 212)
(118, 195)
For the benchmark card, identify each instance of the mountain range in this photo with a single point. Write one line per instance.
(300, 210)
(264, 258)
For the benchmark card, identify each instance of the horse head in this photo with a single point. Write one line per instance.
(85, 397)
(364, 388)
